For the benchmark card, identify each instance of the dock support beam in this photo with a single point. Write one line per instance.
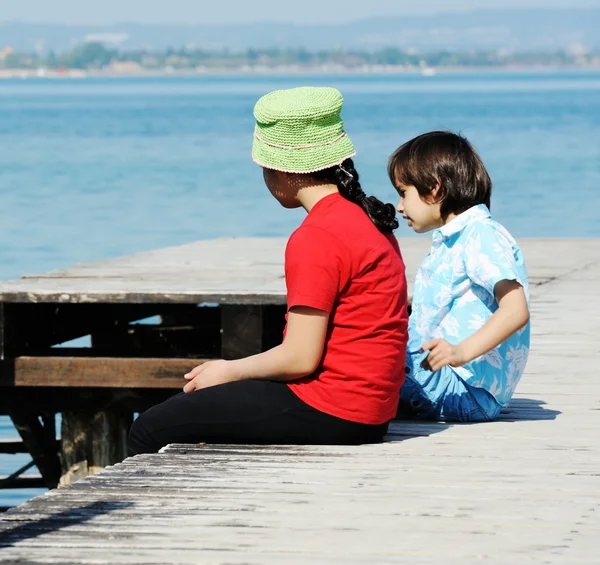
(241, 331)
(91, 441)
(40, 440)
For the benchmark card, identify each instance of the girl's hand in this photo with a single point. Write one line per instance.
(208, 374)
(442, 353)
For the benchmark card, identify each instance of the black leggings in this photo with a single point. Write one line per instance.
(245, 412)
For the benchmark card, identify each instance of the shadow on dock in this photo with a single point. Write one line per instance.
(18, 526)
(521, 409)
(404, 429)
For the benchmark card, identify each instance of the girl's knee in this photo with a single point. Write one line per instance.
(140, 437)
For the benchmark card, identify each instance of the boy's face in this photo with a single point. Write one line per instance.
(422, 215)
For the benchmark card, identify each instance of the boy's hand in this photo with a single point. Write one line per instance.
(208, 374)
(442, 353)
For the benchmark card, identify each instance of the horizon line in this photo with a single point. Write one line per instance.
(483, 10)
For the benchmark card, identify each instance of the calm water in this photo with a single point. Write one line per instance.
(96, 168)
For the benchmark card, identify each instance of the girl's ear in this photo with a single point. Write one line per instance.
(282, 178)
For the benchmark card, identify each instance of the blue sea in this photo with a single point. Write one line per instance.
(95, 168)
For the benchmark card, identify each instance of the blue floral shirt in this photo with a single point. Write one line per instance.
(454, 297)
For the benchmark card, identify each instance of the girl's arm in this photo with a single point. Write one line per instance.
(511, 316)
(298, 356)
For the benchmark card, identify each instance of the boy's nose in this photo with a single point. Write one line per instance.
(400, 207)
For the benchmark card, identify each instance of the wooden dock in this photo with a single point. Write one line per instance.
(524, 489)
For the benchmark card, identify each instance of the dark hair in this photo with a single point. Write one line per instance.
(346, 179)
(447, 159)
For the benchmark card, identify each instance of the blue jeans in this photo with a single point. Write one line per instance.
(442, 395)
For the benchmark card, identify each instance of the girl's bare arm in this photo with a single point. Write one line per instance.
(298, 356)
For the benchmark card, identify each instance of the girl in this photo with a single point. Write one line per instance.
(469, 326)
(336, 377)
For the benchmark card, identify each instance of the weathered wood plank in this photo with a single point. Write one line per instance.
(235, 271)
(100, 372)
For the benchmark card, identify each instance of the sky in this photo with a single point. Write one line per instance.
(243, 11)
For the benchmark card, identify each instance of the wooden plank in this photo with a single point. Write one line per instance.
(235, 271)
(100, 372)
(139, 292)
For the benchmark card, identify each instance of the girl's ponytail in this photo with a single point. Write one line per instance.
(382, 215)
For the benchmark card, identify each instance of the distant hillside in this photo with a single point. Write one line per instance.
(524, 30)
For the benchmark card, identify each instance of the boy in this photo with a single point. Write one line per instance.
(469, 327)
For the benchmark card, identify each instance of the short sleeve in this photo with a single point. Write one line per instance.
(314, 268)
(392, 238)
(491, 257)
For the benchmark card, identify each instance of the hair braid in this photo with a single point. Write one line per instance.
(347, 180)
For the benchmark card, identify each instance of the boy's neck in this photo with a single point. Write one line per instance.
(449, 218)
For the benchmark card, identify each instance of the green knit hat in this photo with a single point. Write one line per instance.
(300, 130)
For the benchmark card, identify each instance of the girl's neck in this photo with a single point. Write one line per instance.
(309, 195)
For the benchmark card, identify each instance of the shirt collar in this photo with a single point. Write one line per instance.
(479, 212)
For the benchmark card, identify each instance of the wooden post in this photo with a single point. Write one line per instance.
(3, 333)
(40, 442)
(241, 331)
(91, 441)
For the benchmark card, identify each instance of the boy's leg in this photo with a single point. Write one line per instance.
(415, 403)
(442, 396)
(246, 412)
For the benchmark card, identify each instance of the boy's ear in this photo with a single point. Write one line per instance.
(437, 193)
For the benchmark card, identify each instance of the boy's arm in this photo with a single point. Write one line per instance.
(511, 316)
(298, 356)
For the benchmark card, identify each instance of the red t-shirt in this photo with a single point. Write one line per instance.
(339, 262)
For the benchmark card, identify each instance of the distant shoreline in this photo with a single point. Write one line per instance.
(290, 71)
